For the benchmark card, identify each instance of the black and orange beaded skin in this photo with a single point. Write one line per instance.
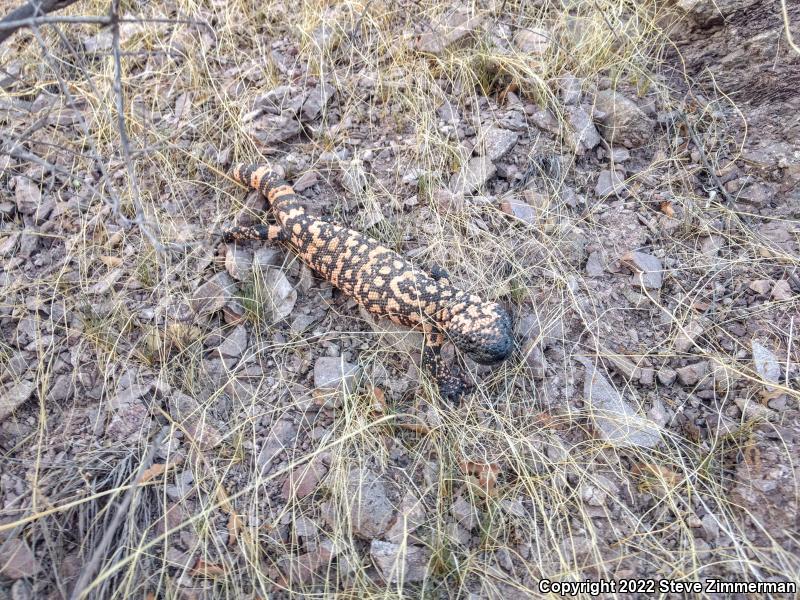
(382, 281)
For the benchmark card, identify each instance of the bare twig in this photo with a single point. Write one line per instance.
(24, 13)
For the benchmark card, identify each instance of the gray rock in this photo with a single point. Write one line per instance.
(473, 175)
(496, 143)
(621, 121)
(581, 134)
(533, 41)
(609, 182)
(464, 513)
(282, 435)
(686, 336)
(666, 376)
(410, 516)
(521, 210)
(455, 29)
(213, 294)
(616, 420)
(756, 194)
(17, 559)
(354, 178)
(782, 291)
(569, 88)
(334, 373)
(648, 268)
(761, 286)
(404, 563)
(281, 294)
(316, 100)
(238, 262)
(27, 195)
(235, 344)
(781, 236)
(371, 510)
(595, 265)
(8, 244)
(13, 397)
(535, 359)
(305, 181)
(693, 373)
(61, 389)
(765, 362)
(269, 130)
(282, 99)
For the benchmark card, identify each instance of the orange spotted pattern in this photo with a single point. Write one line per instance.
(382, 281)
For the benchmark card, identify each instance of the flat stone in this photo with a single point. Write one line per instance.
(405, 563)
(621, 121)
(761, 286)
(213, 294)
(454, 30)
(521, 210)
(609, 182)
(616, 420)
(782, 291)
(595, 265)
(666, 376)
(282, 296)
(411, 515)
(238, 262)
(473, 175)
(371, 510)
(305, 181)
(317, 100)
(304, 479)
(268, 130)
(235, 343)
(582, 135)
(647, 266)
(496, 142)
(535, 359)
(13, 397)
(17, 559)
(765, 362)
(533, 40)
(693, 373)
(334, 373)
(686, 336)
(569, 88)
(281, 435)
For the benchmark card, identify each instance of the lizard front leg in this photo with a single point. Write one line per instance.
(267, 233)
(452, 385)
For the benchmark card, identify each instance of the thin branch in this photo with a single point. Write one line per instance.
(26, 12)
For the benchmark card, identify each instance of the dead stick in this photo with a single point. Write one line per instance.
(27, 12)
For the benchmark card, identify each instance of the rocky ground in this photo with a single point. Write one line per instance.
(184, 418)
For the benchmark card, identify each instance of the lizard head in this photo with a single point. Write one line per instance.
(482, 330)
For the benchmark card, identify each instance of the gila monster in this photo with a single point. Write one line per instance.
(382, 281)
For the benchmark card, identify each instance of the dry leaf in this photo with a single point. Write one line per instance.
(667, 209)
(207, 569)
(656, 477)
(154, 471)
(111, 261)
(484, 473)
(379, 405)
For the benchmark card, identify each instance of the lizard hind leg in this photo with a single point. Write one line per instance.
(440, 274)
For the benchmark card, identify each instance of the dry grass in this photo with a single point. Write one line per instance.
(125, 300)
